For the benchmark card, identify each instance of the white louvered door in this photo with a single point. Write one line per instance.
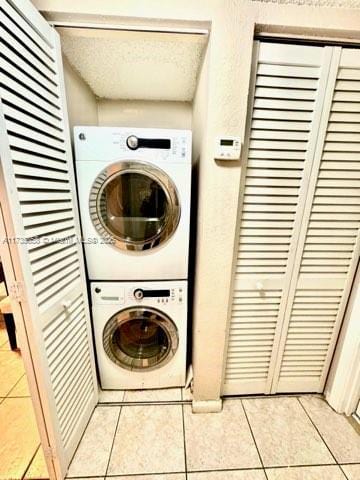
(288, 95)
(299, 216)
(38, 189)
(329, 246)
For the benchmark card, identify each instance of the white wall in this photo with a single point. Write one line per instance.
(229, 60)
(81, 102)
(137, 113)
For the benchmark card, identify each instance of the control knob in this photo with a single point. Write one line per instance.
(139, 294)
(132, 142)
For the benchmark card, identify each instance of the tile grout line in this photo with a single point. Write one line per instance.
(142, 404)
(253, 437)
(113, 442)
(133, 475)
(322, 438)
(14, 386)
(30, 462)
(184, 440)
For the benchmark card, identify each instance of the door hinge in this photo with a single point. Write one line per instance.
(16, 291)
(49, 452)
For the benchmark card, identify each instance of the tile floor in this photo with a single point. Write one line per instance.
(153, 435)
(21, 456)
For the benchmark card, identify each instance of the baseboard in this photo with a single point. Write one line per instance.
(207, 406)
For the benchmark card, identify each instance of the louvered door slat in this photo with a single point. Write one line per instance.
(14, 38)
(16, 74)
(335, 228)
(39, 125)
(25, 104)
(32, 96)
(287, 102)
(28, 132)
(38, 189)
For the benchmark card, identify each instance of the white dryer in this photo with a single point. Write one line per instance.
(140, 331)
(134, 189)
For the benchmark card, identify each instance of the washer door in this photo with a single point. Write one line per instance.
(140, 338)
(134, 206)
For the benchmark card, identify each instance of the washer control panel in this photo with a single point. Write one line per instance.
(155, 294)
(161, 296)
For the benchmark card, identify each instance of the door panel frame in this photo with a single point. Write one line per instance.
(342, 390)
(18, 269)
(14, 275)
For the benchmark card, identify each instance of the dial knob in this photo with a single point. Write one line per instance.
(139, 294)
(132, 142)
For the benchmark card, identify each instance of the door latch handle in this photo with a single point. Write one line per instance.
(66, 304)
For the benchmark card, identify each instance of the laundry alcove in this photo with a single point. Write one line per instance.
(131, 78)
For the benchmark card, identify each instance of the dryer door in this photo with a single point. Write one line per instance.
(140, 338)
(134, 205)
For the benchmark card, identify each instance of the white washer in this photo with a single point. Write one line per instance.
(140, 331)
(134, 193)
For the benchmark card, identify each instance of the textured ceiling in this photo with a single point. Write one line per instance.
(318, 3)
(135, 65)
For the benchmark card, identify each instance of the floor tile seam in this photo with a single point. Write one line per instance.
(244, 469)
(347, 478)
(318, 431)
(142, 404)
(253, 437)
(18, 396)
(184, 440)
(113, 442)
(305, 465)
(30, 462)
(14, 386)
(134, 475)
(79, 443)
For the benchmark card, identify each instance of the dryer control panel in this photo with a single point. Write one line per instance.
(107, 144)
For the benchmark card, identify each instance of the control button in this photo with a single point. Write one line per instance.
(180, 299)
(97, 290)
(139, 294)
(132, 142)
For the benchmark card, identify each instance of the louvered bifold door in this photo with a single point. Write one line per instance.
(288, 94)
(37, 187)
(328, 250)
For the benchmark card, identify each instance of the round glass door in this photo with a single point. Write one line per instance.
(140, 338)
(135, 205)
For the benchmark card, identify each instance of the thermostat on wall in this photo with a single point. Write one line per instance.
(227, 148)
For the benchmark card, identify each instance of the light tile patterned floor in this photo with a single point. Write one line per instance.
(277, 438)
(21, 456)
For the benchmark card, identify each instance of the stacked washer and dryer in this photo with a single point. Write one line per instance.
(134, 190)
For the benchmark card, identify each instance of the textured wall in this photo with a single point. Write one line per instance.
(81, 102)
(317, 3)
(138, 113)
